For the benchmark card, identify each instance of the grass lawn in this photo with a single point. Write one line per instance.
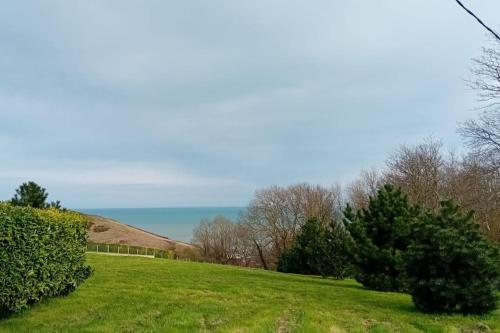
(127, 294)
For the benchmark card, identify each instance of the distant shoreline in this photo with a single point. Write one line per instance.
(172, 223)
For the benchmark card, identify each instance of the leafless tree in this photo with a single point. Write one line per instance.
(475, 186)
(366, 186)
(428, 176)
(245, 245)
(418, 171)
(223, 241)
(217, 239)
(275, 215)
(483, 134)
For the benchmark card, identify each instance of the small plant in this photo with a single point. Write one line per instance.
(451, 266)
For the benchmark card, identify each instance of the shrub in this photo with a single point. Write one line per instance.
(451, 265)
(381, 234)
(42, 253)
(318, 250)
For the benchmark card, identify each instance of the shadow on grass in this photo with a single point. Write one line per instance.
(4, 313)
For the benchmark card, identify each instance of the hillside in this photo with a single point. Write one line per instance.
(108, 231)
(129, 294)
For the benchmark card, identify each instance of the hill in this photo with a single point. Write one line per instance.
(108, 231)
(130, 294)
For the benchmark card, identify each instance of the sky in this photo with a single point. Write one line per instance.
(200, 103)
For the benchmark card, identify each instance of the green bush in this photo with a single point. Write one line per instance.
(381, 235)
(42, 253)
(318, 250)
(451, 266)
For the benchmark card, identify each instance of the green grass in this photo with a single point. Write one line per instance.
(127, 294)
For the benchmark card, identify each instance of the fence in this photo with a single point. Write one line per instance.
(118, 249)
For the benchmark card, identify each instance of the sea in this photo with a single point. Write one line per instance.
(174, 223)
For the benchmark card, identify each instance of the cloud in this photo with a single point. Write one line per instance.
(212, 100)
(112, 174)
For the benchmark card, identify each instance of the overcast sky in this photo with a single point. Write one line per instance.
(200, 103)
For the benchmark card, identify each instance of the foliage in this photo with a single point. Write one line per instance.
(381, 234)
(30, 194)
(131, 294)
(55, 204)
(42, 253)
(450, 264)
(318, 250)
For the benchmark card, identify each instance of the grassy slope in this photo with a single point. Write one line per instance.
(128, 294)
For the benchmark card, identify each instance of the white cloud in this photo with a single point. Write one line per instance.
(105, 174)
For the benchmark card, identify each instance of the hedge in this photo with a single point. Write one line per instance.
(42, 253)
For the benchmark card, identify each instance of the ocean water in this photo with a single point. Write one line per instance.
(174, 223)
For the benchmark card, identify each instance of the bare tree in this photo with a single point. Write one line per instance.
(258, 235)
(245, 244)
(482, 135)
(472, 184)
(429, 176)
(275, 215)
(366, 186)
(418, 171)
(217, 239)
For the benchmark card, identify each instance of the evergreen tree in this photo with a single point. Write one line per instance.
(55, 205)
(451, 266)
(318, 250)
(381, 234)
(30, 194)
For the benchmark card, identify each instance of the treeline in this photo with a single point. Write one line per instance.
(438, 254)
(427, 176)
(269, 225)
(427, 224)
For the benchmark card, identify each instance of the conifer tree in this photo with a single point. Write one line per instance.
(451, 266)
(318, 250)
(381, 234)
(30, 194)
